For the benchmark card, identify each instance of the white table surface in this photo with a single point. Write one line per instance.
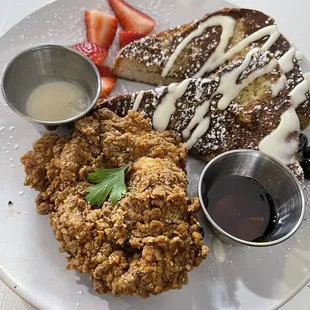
(293, 19)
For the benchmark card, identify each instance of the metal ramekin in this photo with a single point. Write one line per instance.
(277, 180)
(43, 63)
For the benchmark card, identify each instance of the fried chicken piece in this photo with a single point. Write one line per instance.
(35, 161)
(151, 239)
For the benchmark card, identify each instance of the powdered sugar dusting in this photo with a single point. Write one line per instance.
(208, 269)
(225, 131)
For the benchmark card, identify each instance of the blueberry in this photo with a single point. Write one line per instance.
(306, 153)
(303, 142)
(202, 232)
(305, 165)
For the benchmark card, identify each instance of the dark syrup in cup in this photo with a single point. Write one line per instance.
(241, 207)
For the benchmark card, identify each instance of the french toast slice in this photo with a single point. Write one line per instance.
(244, 106)
(207, 46)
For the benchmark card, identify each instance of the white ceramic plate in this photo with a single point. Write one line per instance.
(30, 264)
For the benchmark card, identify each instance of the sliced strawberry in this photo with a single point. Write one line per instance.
(107, 84)
(104, 71)
(107, 80)
(100, 27)
(95, 52)
(131, 19)
(127, 37)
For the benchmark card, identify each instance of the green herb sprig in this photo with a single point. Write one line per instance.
(110, 183)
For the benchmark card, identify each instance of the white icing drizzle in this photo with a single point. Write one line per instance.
(299, 56)
(276, 144)
(228, 86)
(298, 94)
(307, 78)
(200, 112)
(227, 24)
(219, 56)
(166, 108)
(199, 131)
(229, 89)
(278, 86)
(286, 61)
(138, 100)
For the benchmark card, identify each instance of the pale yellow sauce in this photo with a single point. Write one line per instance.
(56, 101)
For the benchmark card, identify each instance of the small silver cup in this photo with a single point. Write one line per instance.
(44, 63)
(276, 178)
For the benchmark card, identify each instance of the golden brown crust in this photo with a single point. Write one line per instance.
(35, 161)
(151, 239)
(254, 114)
(249, 118)
(144, 60)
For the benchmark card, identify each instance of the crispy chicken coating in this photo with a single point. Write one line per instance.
(149, 241)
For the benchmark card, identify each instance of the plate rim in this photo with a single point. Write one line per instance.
(30, 298)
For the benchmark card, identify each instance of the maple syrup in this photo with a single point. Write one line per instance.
(241, 207)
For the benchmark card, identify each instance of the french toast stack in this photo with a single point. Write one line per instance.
(234, 82)
(164, 58)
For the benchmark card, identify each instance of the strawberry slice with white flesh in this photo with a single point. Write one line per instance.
(132, 19)
(100, 28)
(96, 53)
